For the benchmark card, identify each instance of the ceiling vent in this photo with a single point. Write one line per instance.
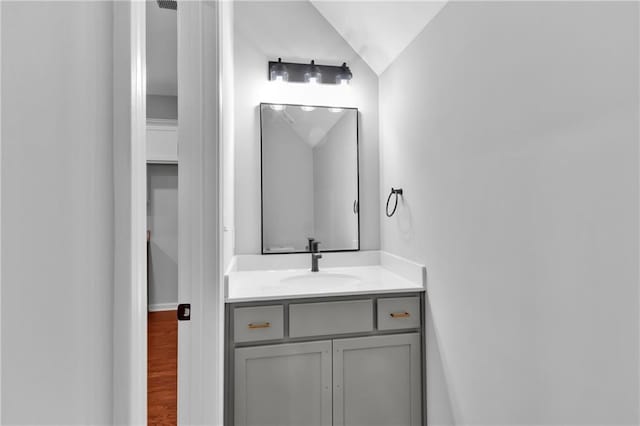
(168, 4)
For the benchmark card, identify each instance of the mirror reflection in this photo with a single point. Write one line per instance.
(309, 178)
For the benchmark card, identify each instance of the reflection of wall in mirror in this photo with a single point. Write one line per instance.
(335, 168)
(287, 186)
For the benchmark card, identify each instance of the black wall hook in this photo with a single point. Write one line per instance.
(397, 192)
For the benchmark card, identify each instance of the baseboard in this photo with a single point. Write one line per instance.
(163, 307)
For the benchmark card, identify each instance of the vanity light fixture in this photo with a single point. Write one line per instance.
(345, 75)
(311, 73)
(335, 109)
(307, 108)
(276, 107)
(278, 71)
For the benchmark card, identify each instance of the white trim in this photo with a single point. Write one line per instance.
(162, 141)
(161, 123)
(200, 341)
(159, 307)
(638, 236)
(139, 211)
(130, 291)
(0, 211)
(157, 161)
(163, 127)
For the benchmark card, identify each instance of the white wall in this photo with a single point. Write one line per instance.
(295, 31)
(227, 136)
(57, 213)
(513, 129)
(162, 61)
(162, 49)
(163, 107)
(162, 221)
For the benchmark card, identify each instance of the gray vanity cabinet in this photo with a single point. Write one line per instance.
(340, 361)
(377, 381)
(283, 385)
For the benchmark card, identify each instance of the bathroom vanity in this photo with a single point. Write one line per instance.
(318, 332)
(344, 346)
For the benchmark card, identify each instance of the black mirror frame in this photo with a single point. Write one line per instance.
(262, 177)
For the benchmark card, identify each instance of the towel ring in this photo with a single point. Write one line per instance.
(395, 206)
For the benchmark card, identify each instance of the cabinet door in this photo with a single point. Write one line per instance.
(377, 381)
(283, 385)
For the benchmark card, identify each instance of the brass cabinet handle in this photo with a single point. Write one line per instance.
(400, 315)
(259, 325)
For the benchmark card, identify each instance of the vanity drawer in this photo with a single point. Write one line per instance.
(258, 323)
(398, 313)
(325, 318)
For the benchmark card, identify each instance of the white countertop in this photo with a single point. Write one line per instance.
(391, 275)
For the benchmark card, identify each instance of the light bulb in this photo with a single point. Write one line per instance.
(344, 76)
(313, 75)
(308, 108)
(279, 71)
(277, 107)
(335, 109)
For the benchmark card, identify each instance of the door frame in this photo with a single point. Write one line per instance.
(200, 340)
(130, 219)
(0, 211)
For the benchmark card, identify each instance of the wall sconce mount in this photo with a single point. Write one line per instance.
(309, 73)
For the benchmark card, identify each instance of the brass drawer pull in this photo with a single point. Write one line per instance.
(259, 325)
(400, 315)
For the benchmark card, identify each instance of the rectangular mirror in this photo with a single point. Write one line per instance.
(309, 178)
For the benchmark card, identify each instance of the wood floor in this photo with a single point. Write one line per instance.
(162, 368)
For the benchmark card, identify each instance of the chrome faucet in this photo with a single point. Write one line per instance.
(313, 249)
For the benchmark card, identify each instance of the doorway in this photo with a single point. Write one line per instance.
(200, 338)
(162, 322)
(162, 211)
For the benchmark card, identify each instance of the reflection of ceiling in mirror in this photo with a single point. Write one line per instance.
(311, 125)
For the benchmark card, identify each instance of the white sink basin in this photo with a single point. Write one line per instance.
(319, 278)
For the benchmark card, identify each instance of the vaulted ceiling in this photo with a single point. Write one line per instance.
(379, 30)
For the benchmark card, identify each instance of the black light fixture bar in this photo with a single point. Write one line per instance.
(296, 72)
